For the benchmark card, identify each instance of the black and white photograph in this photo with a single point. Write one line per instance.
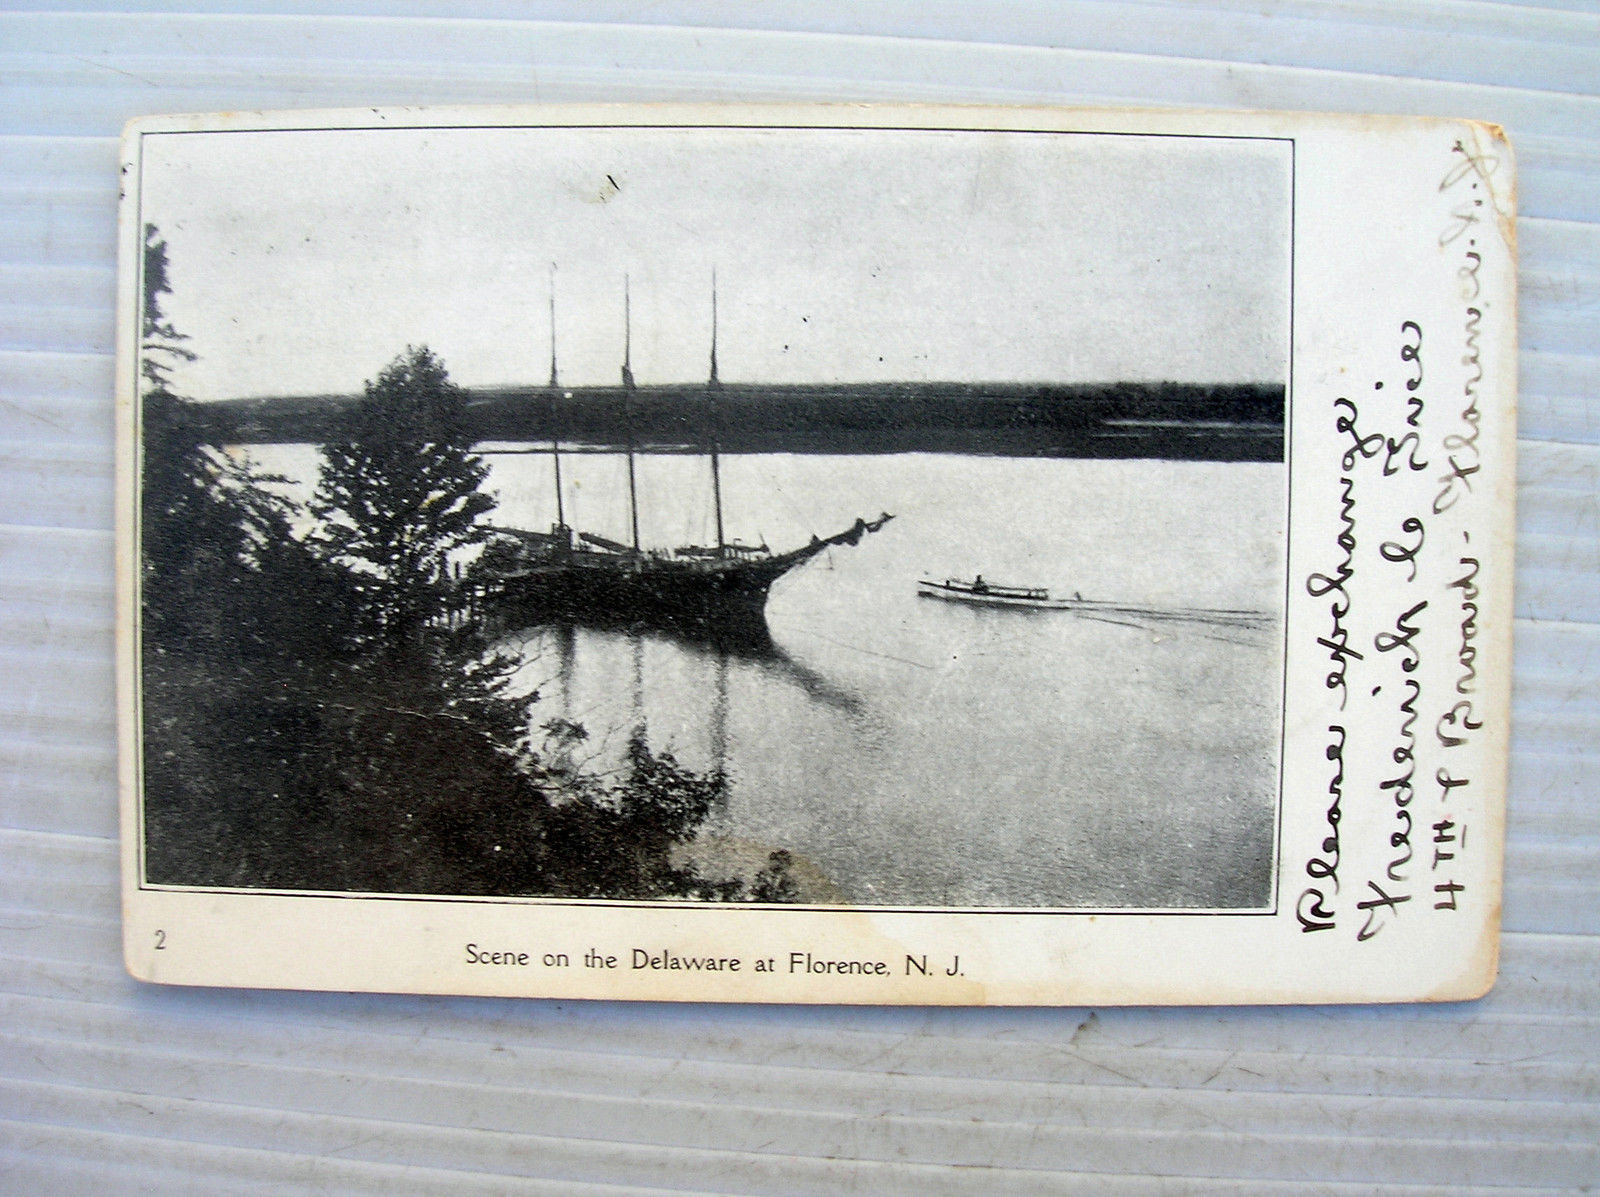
(828, 517)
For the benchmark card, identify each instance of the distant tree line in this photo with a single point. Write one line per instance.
(1183, 421)
(309, 719)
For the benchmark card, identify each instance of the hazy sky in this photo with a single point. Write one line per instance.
(304, 262)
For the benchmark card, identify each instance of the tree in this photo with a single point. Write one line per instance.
(205, 521)
(161, 345)
(400, 493)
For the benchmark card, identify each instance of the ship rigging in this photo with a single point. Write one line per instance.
(585, 577)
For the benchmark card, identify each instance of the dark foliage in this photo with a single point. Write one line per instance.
(312, 720)
(774, 883)
(400, 494)
(620, 838)
(160, 345)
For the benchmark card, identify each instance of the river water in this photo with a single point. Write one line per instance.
(912, 752)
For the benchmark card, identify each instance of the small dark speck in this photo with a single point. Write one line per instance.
(1375, 689)
(613, 182)
(1377, 386)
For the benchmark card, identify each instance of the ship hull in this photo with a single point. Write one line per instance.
(717, 595)
(605, 590)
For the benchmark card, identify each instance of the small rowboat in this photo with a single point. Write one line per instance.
(988, 594)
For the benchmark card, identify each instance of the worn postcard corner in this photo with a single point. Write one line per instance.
(816, 554)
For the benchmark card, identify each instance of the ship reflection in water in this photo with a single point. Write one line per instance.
(552, 651)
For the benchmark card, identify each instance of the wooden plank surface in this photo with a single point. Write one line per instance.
(110, 1086)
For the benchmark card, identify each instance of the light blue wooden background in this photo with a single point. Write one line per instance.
(108, 1086)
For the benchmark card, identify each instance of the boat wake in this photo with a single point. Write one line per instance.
(1229, 627)
(1232, 625)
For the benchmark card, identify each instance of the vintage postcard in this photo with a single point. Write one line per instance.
(816, 554)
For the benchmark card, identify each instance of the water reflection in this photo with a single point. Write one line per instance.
(722, 650)
(752, 644)
(565, 642)
(636, 695)
(916, 753)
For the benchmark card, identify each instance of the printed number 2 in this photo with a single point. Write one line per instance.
(161, 941)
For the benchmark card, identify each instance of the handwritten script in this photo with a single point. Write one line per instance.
(1408, 453)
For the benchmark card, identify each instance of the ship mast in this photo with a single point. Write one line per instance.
(627, 406)
(555, 383)
(713, 387)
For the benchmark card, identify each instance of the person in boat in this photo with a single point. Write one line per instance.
(979, 586)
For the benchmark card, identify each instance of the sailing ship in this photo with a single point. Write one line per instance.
(585, 577)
